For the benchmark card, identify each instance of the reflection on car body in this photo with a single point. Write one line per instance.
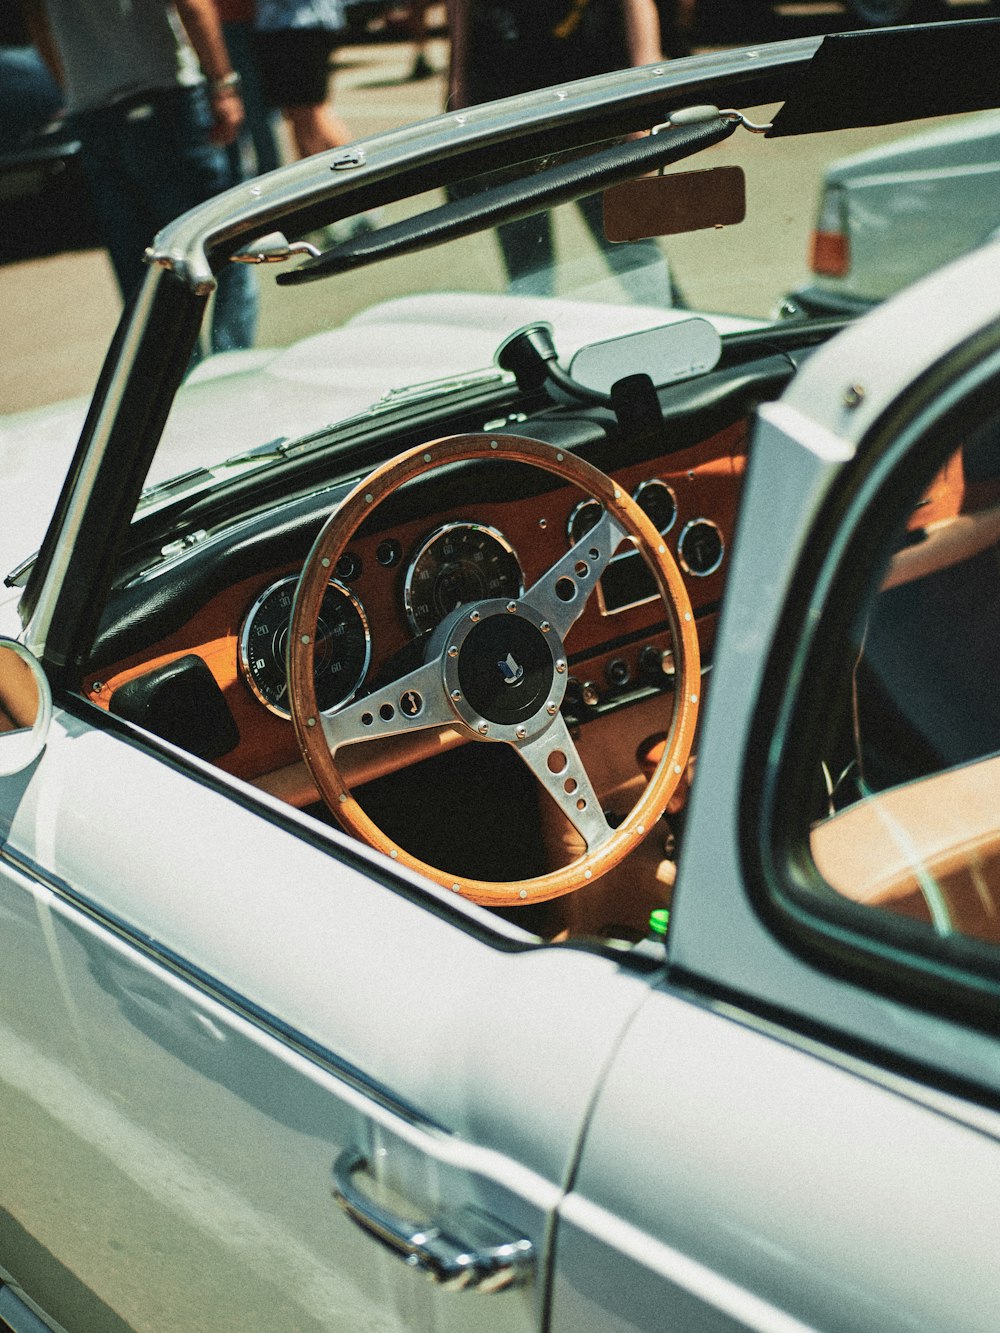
(511, 786)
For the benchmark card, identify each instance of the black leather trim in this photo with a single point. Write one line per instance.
(858, 79)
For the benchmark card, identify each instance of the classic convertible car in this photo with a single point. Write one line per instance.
(500, 781)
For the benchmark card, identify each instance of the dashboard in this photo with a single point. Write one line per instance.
(226, 657)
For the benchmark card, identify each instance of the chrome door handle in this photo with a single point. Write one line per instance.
(463, 1250)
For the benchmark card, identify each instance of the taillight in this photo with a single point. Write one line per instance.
(830, 255)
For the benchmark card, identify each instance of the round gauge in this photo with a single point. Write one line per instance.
(700, 547)
(585, 515)
(459, 563)
(343, 646)
(658, 502)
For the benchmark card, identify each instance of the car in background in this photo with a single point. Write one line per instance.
(498, 782)
(895, 212)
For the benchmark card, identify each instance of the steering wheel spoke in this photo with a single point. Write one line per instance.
(412, 703)
(561, 593)
(556, 763)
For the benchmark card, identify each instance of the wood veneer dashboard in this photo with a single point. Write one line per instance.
(612, 653)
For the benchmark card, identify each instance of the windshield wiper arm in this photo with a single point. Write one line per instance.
(427, 389)
(278, 450)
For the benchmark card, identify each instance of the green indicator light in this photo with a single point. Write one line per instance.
(659, 919)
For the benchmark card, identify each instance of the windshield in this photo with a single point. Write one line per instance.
(833, 223)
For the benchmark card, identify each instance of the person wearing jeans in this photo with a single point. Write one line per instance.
(154, 100)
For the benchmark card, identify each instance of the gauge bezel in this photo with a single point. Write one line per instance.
(248, 623)
(648, 485)
(574, 514)
(454, 526)
(682, 559)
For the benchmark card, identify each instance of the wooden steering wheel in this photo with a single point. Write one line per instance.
(496, 670)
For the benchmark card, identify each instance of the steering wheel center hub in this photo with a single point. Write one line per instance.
(504, 670)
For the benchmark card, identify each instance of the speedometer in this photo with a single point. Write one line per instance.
(459, 563)
(343, 646)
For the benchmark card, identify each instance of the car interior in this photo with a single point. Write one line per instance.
(195, 654)
(194, 643)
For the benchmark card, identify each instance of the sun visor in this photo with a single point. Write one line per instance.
(882, 76)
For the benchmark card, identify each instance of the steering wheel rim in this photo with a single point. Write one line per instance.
(466, 643)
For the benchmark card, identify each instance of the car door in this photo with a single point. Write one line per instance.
(800, 1129)
(252, 1075)
(209, 1027)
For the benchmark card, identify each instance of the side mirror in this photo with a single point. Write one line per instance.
(25, 708)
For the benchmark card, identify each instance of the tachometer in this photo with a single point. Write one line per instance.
(343, 646)
(459, 563)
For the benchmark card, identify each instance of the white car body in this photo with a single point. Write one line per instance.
(261, 1071)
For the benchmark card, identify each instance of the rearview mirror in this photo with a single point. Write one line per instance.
(670, 204)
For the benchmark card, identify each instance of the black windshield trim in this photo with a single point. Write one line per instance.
(859, 79)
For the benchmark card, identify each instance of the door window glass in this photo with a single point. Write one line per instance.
(908, 808)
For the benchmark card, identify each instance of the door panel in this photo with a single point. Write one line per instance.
(731, 1180)
(205, 1011)
(182, 1157)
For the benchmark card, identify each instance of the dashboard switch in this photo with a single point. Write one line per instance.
(655, 663)
(618, 673)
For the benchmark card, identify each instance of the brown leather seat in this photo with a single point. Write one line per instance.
(936, 839)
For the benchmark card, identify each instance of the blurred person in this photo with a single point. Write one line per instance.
(502, 47)
(410, 22)
(256, 149)
(677, 20)
(29, 95)
(154, 100)
(294, 41)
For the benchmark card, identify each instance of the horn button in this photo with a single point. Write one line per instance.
(504, 667)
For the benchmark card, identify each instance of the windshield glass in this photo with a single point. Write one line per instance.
(833, 223)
